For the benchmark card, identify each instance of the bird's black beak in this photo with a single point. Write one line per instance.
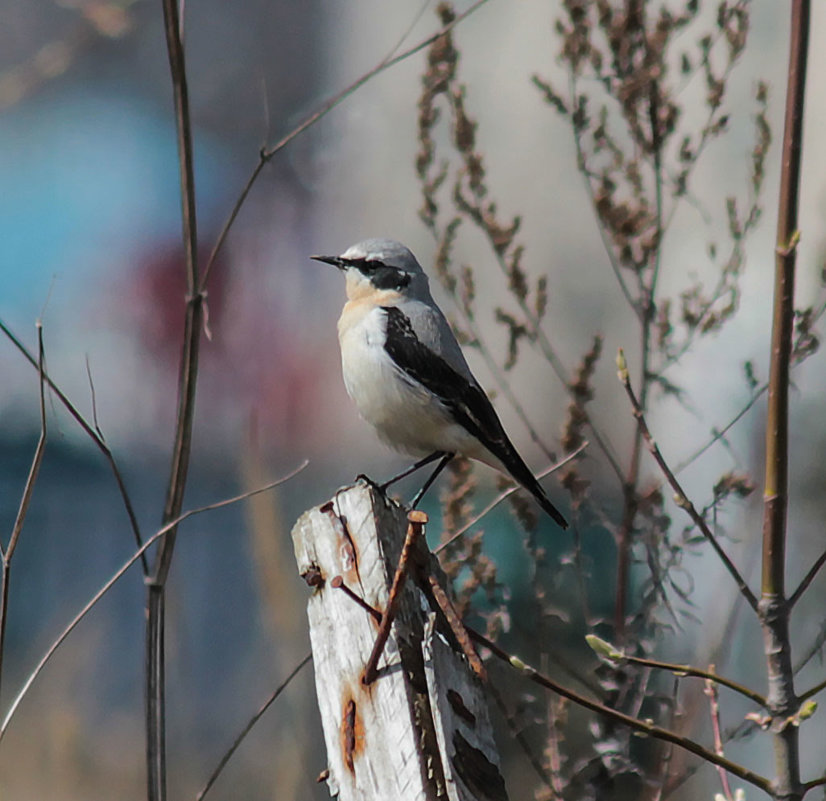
(336, 261)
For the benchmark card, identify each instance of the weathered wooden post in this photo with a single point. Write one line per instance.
(420, 730)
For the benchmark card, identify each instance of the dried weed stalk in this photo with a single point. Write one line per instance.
(638, 143)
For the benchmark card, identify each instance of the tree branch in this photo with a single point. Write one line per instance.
(681, 498)
(643, 726)
(222, 763)
(774, 611)
(94, 435)
(268, 152)
(607, 651)
(25, 500)
(807, 580)
(162, 532)
(187, 384)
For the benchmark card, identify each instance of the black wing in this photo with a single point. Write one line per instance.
(465, 399)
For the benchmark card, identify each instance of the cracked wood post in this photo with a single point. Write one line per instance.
(421, 729)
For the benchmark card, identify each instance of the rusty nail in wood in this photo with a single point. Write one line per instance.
(417, 519)
(338, 583)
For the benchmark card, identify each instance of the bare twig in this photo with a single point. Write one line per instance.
(94, 397)
(187, 385)
(608, 651)
(549, 352)
(812, 692)
(814, 783)
(194, 302)
(645, 727)
(504, 495)
(94, 435)
(718, 435)
(518, 735)
(714, 709)
(814, 648)
(660, 788)
(268, 152)
(119, 573)
(25, 500)
(807, 580)
(222, 763)
(681, 498)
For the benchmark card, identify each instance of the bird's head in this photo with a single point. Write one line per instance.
(380, 266)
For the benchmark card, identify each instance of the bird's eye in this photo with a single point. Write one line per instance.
(390, 278)
(381, 275)
(367, 268)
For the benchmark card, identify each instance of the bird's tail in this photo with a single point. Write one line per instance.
(522, 474)
(535, 488)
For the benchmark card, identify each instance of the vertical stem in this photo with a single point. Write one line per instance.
(187, 382)
(776, 486)
(7, 553)
(647, 312)
(774, 610)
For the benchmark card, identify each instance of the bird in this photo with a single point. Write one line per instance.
(405, 372)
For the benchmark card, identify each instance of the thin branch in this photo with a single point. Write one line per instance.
(547, 349)
(813, 691)
(36, 461)
(504, 495)
(814, 783)
(606, 650)
(93, 435)
(714, 709)
(807, 580)
(518, 734)
(187, 385)
(25, 500)
(718, 435)
(663, 777)
(644, 727)
(681, 498)
(187, 378)
(589, 188)
(246, 730)
(503, 382)
(94, 397)
(267, 153)
(814, 648)
(120, 572)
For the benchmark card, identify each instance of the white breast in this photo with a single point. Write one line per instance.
(405, 415)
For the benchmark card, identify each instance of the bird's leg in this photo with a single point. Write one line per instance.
(421, 463)
(446, 457)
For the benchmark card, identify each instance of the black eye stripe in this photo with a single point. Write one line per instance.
(365, 267)
(381, 275)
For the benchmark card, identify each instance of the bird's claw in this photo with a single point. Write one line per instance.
(367, 480)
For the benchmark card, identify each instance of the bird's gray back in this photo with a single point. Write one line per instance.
(433, 331)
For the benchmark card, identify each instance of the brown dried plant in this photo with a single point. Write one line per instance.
(638, 144)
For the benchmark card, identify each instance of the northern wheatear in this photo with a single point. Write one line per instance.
(406, 373)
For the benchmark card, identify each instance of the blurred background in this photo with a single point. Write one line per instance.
(90, 244)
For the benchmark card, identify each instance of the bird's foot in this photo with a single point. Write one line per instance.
(365, 479)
